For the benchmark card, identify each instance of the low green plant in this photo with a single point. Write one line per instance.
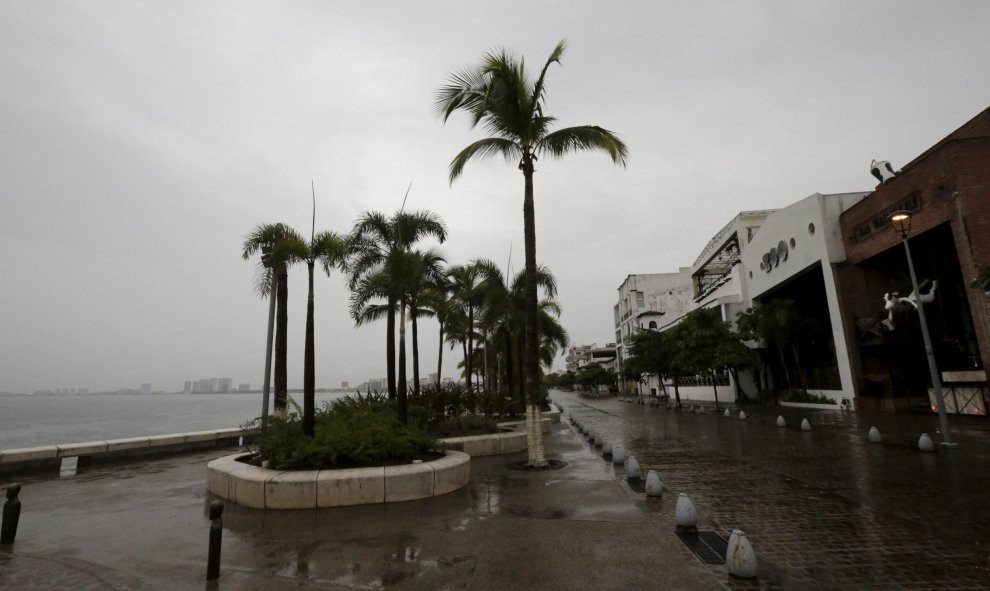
(802, 395)
(349, 432)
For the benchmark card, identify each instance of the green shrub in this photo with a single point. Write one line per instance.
(350, 432)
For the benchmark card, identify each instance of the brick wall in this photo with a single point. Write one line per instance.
(949, 183)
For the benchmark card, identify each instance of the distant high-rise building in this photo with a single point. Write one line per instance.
(187, 387)
(214, 386)
(433, 377)
(146, 388)
(345, 385)
(244, 387)
(224, 384)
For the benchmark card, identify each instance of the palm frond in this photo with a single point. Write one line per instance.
(585, 137)
(485, 148)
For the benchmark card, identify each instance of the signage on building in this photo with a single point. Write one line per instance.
(773, 258)
(911, 203)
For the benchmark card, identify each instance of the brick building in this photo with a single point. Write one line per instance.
(947, 191)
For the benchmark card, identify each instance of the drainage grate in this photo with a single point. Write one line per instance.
(706, 545)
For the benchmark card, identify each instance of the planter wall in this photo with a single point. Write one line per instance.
(261, 488)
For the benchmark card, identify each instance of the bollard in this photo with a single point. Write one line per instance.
(780, 421)
(607, 448)
(685, 514)
(740, 559)
(805, 425)
(216, 537)
(654, 486)
(727, 414)
(632, 468)
(11, 515)
(618, 454)
(599, 440)
(742, 415)
(874, 435)
(925, 443)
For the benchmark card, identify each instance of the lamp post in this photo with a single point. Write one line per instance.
(901, 220)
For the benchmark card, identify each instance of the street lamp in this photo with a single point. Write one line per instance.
(901, 220)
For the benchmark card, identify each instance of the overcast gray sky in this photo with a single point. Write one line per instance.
(140, 141)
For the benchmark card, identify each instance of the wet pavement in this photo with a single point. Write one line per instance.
(823, 509)
(143, 525)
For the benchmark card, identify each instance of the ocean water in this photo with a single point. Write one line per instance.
(27, 421)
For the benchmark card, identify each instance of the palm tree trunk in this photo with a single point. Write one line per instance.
(390, 348)
(677, 393)
(309, 363)
(440, 356)
(714, 388)
(531, 363)
(282, 345)
(415, 348)
(267, 388)
(468, 366)
(402, 402)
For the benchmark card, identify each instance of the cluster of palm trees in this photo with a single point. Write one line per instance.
(474, 304)
(389, 277)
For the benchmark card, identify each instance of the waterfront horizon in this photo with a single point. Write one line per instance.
(33, 420)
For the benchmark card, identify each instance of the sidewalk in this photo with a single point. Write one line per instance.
(143, 526)
(824, 509)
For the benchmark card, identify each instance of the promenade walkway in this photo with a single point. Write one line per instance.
(824, 509)
(143, 525)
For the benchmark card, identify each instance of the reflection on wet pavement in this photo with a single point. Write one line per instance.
(824, 509)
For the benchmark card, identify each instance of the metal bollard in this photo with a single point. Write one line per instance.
(11, 515)
(216, 537)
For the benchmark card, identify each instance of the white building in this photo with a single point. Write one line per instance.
(793, 257)
(649, 301)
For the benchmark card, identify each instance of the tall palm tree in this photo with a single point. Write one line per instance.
(498, 93)
(271, 241)
(374, 238)
(331, 251)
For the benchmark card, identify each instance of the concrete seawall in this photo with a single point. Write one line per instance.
(48, 458)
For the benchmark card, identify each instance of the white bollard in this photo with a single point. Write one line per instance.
(740, 559)
(874, 435)
(590, 434)
(780, 421)
(618, 454)
(685, 514)
(599, 440)
(805, 425)
(727, 414)
(632, 468)
(925, 443)
(607, 448)
(654, 486)
(742, 415)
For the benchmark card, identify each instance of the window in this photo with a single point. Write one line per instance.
(653, 324)
(639, 299)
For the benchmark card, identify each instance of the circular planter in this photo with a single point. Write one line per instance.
(262, 488)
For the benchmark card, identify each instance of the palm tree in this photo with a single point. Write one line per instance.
(499, 94)
(331, 251)
(400, 280)
(271, 241)
(466, 290)
(376, 236)
(503, 313)
(435, 301)
(426, 272)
